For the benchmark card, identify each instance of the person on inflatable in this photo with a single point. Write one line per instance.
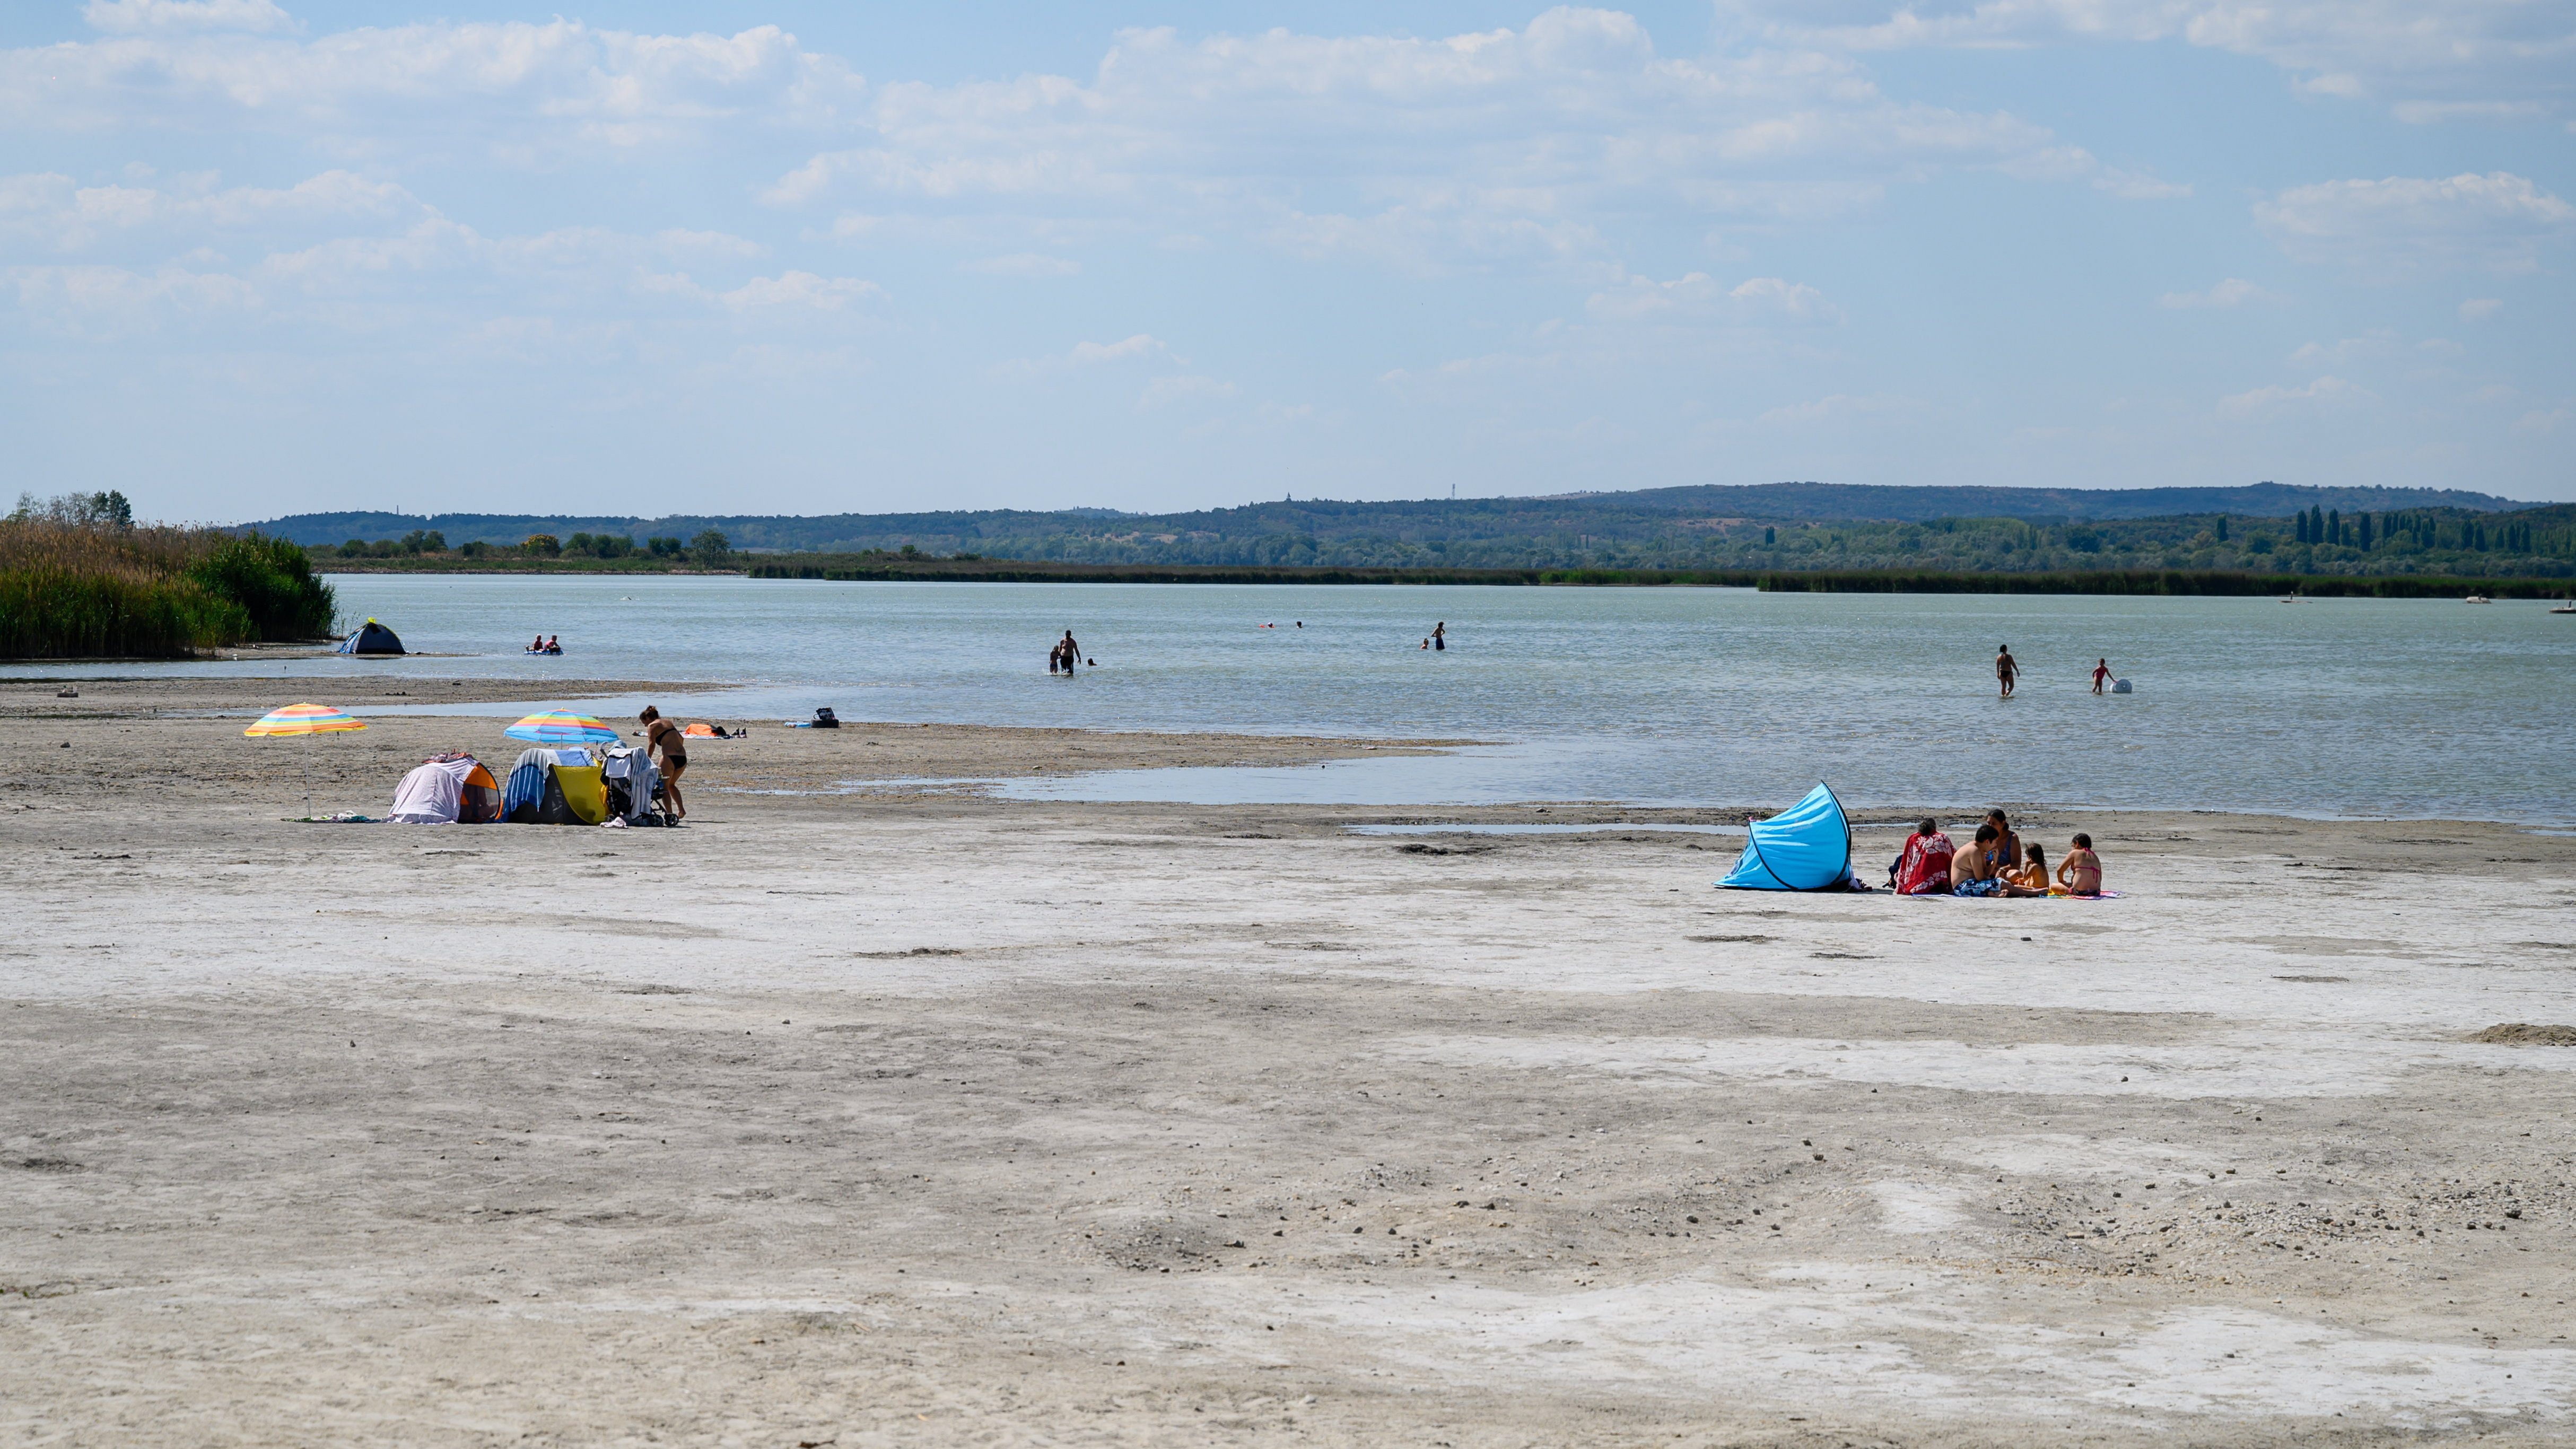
(1923, 867)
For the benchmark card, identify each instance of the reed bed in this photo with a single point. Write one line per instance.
(70, 591)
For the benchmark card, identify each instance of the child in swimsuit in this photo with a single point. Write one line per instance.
(2080, 873)
(2031, 877)
(1972, 871)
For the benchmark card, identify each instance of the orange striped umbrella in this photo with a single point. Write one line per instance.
(304, 719)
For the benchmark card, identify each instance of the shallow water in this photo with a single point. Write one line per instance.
(1651, 696)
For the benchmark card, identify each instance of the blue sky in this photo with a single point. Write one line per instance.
(264, 257)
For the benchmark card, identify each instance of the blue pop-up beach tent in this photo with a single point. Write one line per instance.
(1806, 847)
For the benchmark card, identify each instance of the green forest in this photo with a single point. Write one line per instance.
(2345, 532)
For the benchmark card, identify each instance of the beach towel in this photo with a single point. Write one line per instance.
(430, 793)
(1924, 866)
(1947, 896)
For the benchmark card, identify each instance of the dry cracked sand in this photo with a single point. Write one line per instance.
(902, 1115)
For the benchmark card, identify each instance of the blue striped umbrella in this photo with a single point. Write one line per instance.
(561, 727)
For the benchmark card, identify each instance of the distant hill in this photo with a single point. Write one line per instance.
(1509, 530)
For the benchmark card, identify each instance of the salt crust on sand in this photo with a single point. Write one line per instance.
(1821, 1334)
(2273, 1065)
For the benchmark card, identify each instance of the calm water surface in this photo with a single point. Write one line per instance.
(1653, 696)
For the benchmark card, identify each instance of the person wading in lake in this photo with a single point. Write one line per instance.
(2006, 670)
(661, 733)
(1440, 635)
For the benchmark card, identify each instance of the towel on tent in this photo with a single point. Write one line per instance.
(527, 787)
(430, 794)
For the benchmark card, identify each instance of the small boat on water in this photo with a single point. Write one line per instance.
(2566, 608)
(2477, 599)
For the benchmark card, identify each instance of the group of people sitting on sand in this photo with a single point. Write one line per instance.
(1996, 863)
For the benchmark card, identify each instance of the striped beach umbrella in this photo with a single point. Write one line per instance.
(304, 719)
(561, 727)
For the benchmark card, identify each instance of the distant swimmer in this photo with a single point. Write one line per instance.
(1440, 636)
(2101, 674)
(2006, 669)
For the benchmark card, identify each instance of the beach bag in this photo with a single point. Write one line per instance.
(824, 719)
(551, 807)
(1924, 868)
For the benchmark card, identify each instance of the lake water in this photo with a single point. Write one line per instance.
(1651, 696)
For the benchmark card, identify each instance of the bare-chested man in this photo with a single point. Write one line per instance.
(2006, 669)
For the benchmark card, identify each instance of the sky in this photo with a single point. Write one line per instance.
(270, 256)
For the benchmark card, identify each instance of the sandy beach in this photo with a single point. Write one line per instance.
(870, 1110)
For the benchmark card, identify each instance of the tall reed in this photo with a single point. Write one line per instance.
(72, 591)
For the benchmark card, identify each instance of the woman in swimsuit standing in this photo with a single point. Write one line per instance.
(675, 755)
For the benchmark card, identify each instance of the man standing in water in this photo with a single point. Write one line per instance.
(1071, 651)
(1440, 635)
(2006, 671)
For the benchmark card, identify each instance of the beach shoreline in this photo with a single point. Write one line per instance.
(916, 1115)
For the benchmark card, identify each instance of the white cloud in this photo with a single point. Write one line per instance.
(1025, 264)
(1187, 387)
(47, 210)
(1139, 347)
(2495, 222)
(800, 289)
(2264, 401)
(1698, 297)
(519, 92)
(2139, 186)
(98, 301)
(1847, 408)
(1092, 354)
(2233, 292)
(2479, 309)
(1408, 150)
(2426, 113)
(2450, 58)
(2545, 421)
(2371, 347)
(128, 17)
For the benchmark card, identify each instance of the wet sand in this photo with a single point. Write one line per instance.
(903, 1115)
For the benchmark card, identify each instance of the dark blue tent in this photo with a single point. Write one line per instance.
(1806, 847)
(374, 638)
